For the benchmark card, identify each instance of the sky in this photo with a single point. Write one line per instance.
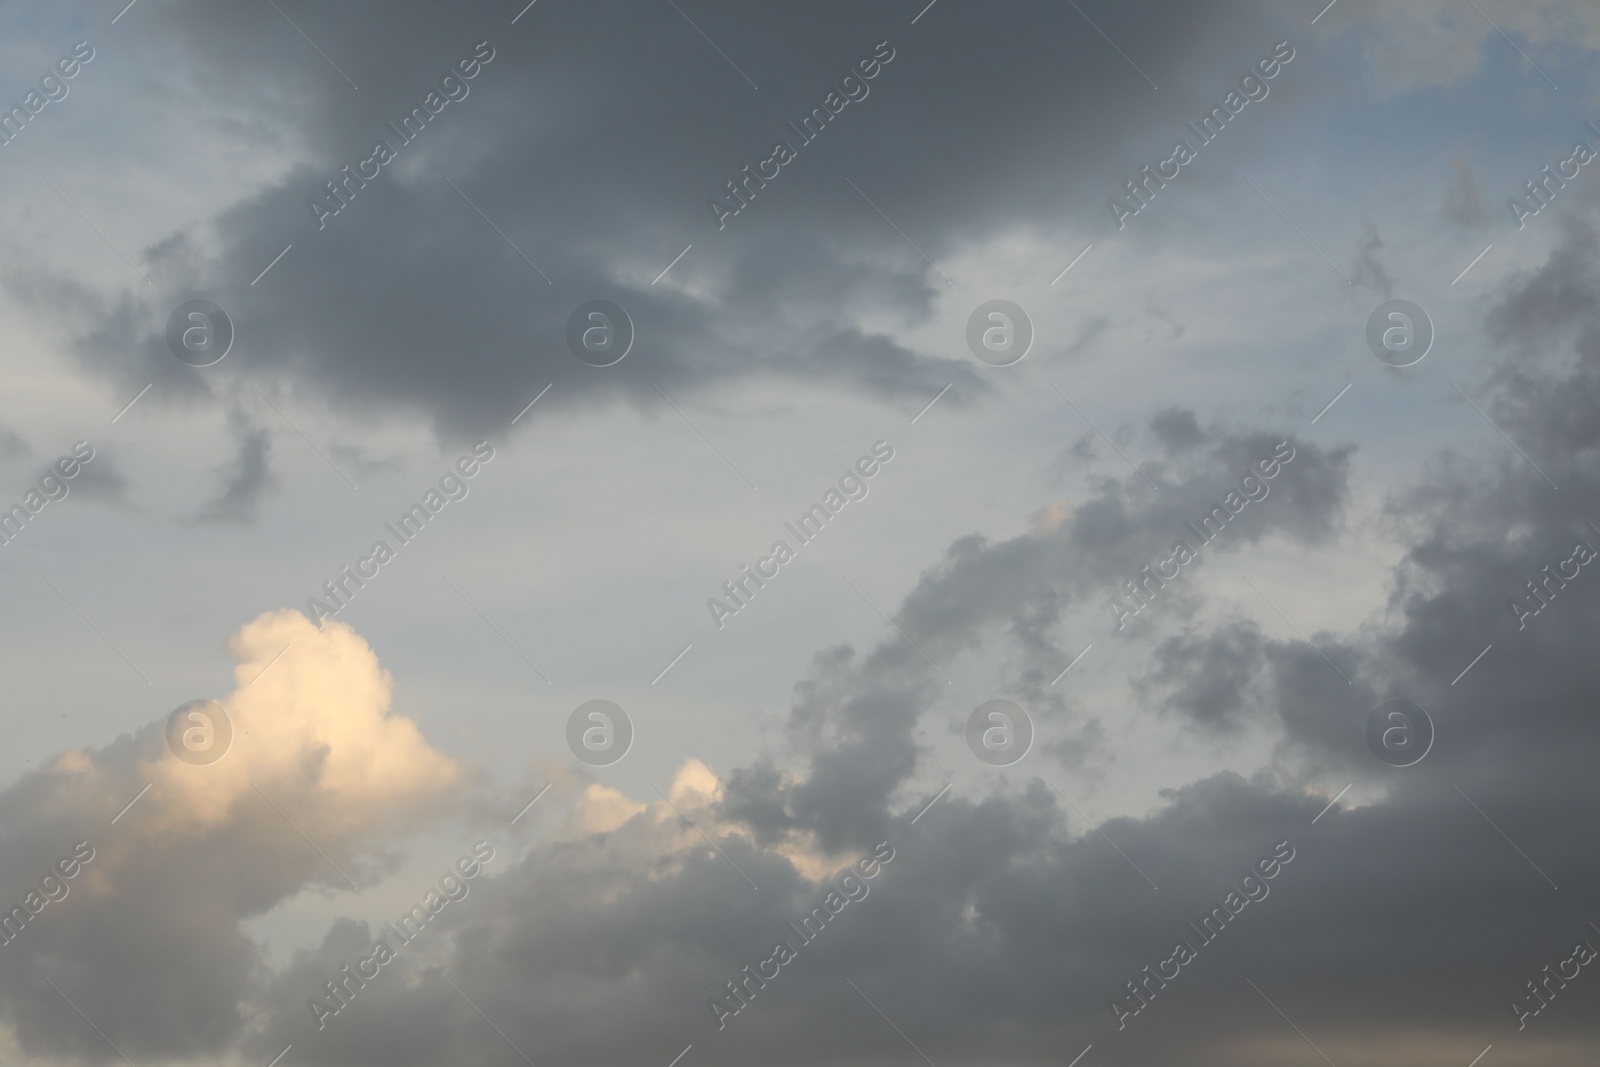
(671, 532)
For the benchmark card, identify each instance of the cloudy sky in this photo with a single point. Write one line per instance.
(1211, 384)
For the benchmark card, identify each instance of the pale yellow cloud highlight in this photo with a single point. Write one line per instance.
(315, 733)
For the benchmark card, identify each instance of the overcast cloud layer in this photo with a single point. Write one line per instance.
(353, 462)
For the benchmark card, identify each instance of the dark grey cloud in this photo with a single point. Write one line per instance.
(1125, 526)
(1000, 924)
(409, 301)
(1176, 428)
(1003, 923)
(1551, 323)
(1206, 677)
(1515, 744)
(245, 480)
(1480, 529)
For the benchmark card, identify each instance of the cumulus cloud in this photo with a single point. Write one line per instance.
(150, 933)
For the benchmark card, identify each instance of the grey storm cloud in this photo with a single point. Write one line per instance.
(1111, 536)
(1005, 924)
(1206, 678)
(1176, 429)
(1480, 530)
(594, 150)
(1514, 733)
